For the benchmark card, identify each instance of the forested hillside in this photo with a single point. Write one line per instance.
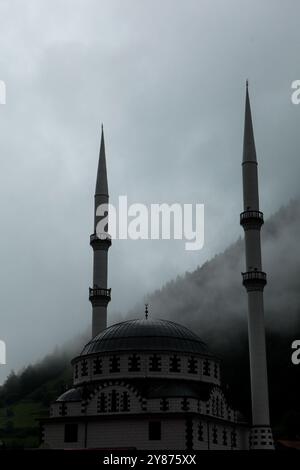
(213, 303)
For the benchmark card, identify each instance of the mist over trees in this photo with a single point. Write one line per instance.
(211, 299)
(44, 380)
(212, 302)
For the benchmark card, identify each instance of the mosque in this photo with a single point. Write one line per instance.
(152, 384)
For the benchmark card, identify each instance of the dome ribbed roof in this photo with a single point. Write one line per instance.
(73, 394)
(141, 335)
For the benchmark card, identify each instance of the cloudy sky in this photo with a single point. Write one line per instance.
(167, 79)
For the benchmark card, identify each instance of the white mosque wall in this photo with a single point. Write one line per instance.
(133, 433)
(84, 369)
(54, 437)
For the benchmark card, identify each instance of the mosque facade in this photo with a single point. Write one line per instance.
(152, 384)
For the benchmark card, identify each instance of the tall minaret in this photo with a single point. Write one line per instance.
(99, 294)
(254, 280)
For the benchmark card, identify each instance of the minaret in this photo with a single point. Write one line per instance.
(99, 294)
(254, 280)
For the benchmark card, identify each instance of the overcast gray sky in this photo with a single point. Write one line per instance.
(167, 79)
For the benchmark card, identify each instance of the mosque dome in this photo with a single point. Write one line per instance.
(73, 394)
(146, 334)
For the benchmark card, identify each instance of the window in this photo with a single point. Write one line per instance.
(215, 435)
(224, 437)
(114, 364)
(84, 368)
(233, 439)
(113, 401)
(63, 409)
(213, 406)
(101, 406)
(222, 409)
(206, 367)
(216, 370)
(200, 432)
(218, 406)
(134, 364)
(185, 404)
(71, 432)
(174, 363)
(76, 371)
(125, 401)
(154, 431)
(97, 366)
(192, 365)
(189, 434)
(164, 404)
(155, 363)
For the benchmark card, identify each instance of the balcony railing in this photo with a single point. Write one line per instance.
(99, 292)
(250, 275)
(101, 236)
(251, 215)
(254, 280)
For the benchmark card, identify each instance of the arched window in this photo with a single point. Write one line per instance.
(113, 401)
(125, 402)
(222, 409)
(213, 406)
(200, 432)
(217, 406)
(102, 403)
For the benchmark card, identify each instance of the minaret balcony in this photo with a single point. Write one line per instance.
(251, 219)
(101, 240)
(99, 295)
(254, 280)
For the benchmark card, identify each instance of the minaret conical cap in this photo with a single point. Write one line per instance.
(249, 152)
(101, 183)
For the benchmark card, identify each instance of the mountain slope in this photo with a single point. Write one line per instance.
(212, 302)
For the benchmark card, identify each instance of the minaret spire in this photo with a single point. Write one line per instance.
(249, 153)
(254, 280)
(101, 183)
(99, 294)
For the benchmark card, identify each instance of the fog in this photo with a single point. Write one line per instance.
(167, 79)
